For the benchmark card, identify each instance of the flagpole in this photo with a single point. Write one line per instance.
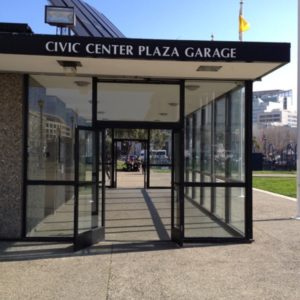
(298, 122)
(241, 14)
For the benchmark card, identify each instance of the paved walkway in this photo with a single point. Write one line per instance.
(269, 268)
(274, 175)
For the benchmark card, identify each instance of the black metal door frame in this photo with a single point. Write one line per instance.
(177, 195)
(96, 232)
(178, 233)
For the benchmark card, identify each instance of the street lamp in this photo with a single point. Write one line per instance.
(297, 217)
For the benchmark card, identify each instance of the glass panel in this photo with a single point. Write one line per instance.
(214, 130)
(129, 134)
(130, 163)
(56, 106)
(86, 159)
(193, 148)
(199, 222)
(160, 176)
(214, 151)
(161, 147)
(219, 139)
(207, 155)
(108, 157)
(206, 197)
(138, 102)
(188, 191)
(177, 169)
(128, 152)
(198, 143)
(237, 138)
(188, 149)
(89, 194)
(220, 202)
(85, 206)
(100, 203)
(108, 174)
(121, 155)
(50, 211)
(237, 205)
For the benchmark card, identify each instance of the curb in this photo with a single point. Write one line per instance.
(274, 194)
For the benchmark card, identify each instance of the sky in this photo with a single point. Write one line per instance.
(270, 21)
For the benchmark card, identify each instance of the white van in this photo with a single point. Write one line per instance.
(158, 153)
(159, 156)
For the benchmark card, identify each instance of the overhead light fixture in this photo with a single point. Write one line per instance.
(60, 16)
(173, 104)
(163, 114)
(101, 112)
(69, 66)
(209, 68)
(192, 87)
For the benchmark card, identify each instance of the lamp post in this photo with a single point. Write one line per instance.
(297, 217)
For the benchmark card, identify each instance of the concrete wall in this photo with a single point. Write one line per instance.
(11, 155)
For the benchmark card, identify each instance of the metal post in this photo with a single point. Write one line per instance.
(41, 146)
(241, 14)
(298, 122)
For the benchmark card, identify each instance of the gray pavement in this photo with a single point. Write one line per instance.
(274, 175)
(269, 268)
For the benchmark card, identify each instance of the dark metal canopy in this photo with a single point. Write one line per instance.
(15, 28)
(142, 57)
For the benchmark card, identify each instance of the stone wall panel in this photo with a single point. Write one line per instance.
(11, 155)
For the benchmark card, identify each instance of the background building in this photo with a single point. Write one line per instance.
(274, 108)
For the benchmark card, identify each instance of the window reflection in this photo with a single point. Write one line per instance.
(215, 135)
(237, 136)
(50, 211)
(219, 147)
(214, 156)
(56, 106)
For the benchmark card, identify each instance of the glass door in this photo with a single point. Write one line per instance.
(115, 163)
(143, 159)
(89, 188)
(177, 214)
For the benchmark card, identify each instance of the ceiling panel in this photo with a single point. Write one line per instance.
(136, 68)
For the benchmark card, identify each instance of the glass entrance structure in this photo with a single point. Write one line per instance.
(183, 107)
(193, 132)
(215, 161)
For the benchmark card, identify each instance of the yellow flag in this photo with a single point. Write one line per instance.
(244, 25)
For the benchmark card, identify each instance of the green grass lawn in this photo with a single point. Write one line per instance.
(283, 186)
(159, 170)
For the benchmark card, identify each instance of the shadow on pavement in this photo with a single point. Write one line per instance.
(26, 251)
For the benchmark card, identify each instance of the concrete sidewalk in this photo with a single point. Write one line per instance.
(274, 175)
(269, 268)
